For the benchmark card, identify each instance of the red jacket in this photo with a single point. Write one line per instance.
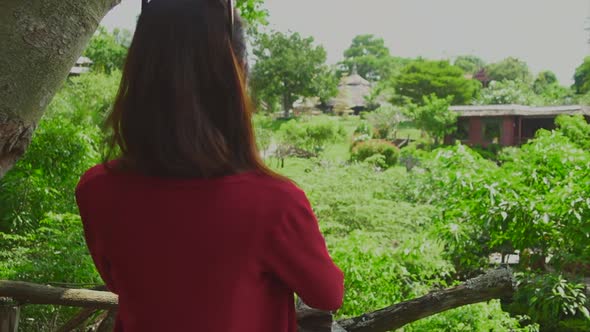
(211, 255)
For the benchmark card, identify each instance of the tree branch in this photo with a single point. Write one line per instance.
(496, 284)
(39, 294)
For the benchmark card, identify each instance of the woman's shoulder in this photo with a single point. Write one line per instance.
(278, 188)
(95, 174)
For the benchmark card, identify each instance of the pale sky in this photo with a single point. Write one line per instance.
(547, 34)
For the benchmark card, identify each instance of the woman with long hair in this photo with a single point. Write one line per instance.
(186, 223)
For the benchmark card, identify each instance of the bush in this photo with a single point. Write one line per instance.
(365, 150)
(311, 136)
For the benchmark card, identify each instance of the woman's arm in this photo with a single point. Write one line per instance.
(296, 252)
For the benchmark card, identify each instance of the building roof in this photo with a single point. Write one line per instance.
(352, 91)
(83, 61)
(519, 110)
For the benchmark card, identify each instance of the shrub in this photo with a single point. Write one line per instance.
(311, 136)
(364, 150)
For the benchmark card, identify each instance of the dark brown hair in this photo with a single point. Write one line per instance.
(182, 109)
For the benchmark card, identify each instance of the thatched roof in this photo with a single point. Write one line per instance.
(519, 110)
(352, 91)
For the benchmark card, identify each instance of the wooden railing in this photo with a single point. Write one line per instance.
(496, 284)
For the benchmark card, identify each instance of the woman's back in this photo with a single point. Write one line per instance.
(222, 254)
(188, 226)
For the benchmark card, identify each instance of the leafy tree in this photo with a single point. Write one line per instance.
(507, 92)
(289, 67)
(543, 81)
(106, 51)
(423, 77)
(370, 57)
(434, 117)
(469, 63)
(582, 77)
(509, 69)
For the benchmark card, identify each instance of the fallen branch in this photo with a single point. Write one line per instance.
(496, 284)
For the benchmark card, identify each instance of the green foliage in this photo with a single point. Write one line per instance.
(87, 99)
(379, 273)
(252, 11)
(106, 51)
(385, 121)
(263, 131)
(551, 300)
(509, 69)
(508, 92)
(364, 150)
(469, 63)
(582, 77)
(55, 251)
(575, 128)
(364, 128)
(371, 59)
(423, 77)
(543, 80)
(311, 136)
(44, 179)
(434, 117)
(477, 317)
(289, 67)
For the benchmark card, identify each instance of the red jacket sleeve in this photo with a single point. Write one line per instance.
(296, 253)
(91, 233)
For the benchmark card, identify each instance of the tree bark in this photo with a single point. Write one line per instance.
(497, 284)
(40, 41)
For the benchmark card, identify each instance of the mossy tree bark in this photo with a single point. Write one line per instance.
(40, 41)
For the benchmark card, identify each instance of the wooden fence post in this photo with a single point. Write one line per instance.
(9, 315)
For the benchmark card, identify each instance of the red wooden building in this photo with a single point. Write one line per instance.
(507, 125)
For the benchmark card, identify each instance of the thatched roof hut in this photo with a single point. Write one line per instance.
(352, 91)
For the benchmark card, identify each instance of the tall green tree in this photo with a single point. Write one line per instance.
(434, 116)
(288, 67)
(582, 77)
(370, 57)
(424, 77)
(509, 69)
(543, 81)
(469, 63)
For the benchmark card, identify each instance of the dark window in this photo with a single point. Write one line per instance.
(492, 130)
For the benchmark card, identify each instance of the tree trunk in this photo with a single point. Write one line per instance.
(40, 41)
